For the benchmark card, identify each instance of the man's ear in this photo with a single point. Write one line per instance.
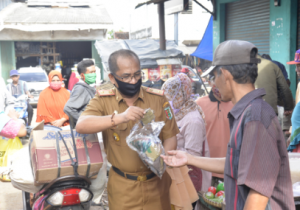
(112, 79)
(227, 75)
(82, 76)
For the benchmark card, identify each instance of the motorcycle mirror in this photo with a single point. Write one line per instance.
(9, 81)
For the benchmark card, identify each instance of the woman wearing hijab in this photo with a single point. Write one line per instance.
(51, 102)
(72, 81)
(190, 120)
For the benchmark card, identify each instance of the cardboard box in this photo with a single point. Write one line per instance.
(44, 156)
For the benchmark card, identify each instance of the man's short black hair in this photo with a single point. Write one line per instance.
(112, 61)
(241, 73)
(83, 65)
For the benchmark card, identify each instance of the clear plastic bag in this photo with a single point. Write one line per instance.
(144, 140)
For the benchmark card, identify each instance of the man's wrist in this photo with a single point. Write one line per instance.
(189, 159)
(118, 119)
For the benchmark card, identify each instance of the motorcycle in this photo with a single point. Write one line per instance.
(64, 193)
(21, 107)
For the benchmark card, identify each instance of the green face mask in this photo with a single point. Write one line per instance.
(90, 78)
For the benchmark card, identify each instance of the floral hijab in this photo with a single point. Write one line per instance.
(178, 91)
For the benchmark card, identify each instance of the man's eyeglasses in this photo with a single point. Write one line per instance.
(128, 78)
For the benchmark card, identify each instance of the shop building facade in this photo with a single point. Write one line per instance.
(272, 25)
(35, 34)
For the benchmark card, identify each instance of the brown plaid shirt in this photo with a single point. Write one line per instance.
(256, 156)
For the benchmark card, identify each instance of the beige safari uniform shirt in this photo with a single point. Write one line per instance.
(124, 193)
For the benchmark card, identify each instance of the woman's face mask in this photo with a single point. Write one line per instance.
(55, 85)
(216, 91)
(174, 110)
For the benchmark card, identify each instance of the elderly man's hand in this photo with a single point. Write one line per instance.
(176, 158)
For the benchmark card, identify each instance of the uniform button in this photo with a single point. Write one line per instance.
(116, 137)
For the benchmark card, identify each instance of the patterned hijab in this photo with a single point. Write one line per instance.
(178, 91)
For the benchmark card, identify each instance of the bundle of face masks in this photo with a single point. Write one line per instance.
(143, 139)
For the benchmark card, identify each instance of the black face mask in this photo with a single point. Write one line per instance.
(129, 89)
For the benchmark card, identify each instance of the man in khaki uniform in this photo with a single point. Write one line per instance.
(131, 185)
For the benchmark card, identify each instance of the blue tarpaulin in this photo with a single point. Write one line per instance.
(205, 47)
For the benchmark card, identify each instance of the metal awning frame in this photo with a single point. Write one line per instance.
(213, 13)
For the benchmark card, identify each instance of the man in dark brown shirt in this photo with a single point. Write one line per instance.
(256, 168)
(131, 185)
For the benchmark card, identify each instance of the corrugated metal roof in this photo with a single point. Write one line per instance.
(46, 15)
(19, 16)
(63, 2)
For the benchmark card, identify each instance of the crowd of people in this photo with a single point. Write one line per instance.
(231, 135)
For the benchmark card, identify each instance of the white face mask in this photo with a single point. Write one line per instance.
(174, 110)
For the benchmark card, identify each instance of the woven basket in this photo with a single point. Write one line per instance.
(212, 203)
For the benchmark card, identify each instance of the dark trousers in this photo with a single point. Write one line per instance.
(194, 205)
(30, 113)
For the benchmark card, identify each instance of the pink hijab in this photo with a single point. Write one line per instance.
(72, 81)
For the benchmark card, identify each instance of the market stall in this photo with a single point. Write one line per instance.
(157, 65)
(47, 54)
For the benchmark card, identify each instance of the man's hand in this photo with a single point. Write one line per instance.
(133, 113)
(29, 95)
(58, 123)
(13, 114)
(176, 158)
(288, 112)
(288, 141)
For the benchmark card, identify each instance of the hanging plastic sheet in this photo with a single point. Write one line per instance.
(205, 47)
